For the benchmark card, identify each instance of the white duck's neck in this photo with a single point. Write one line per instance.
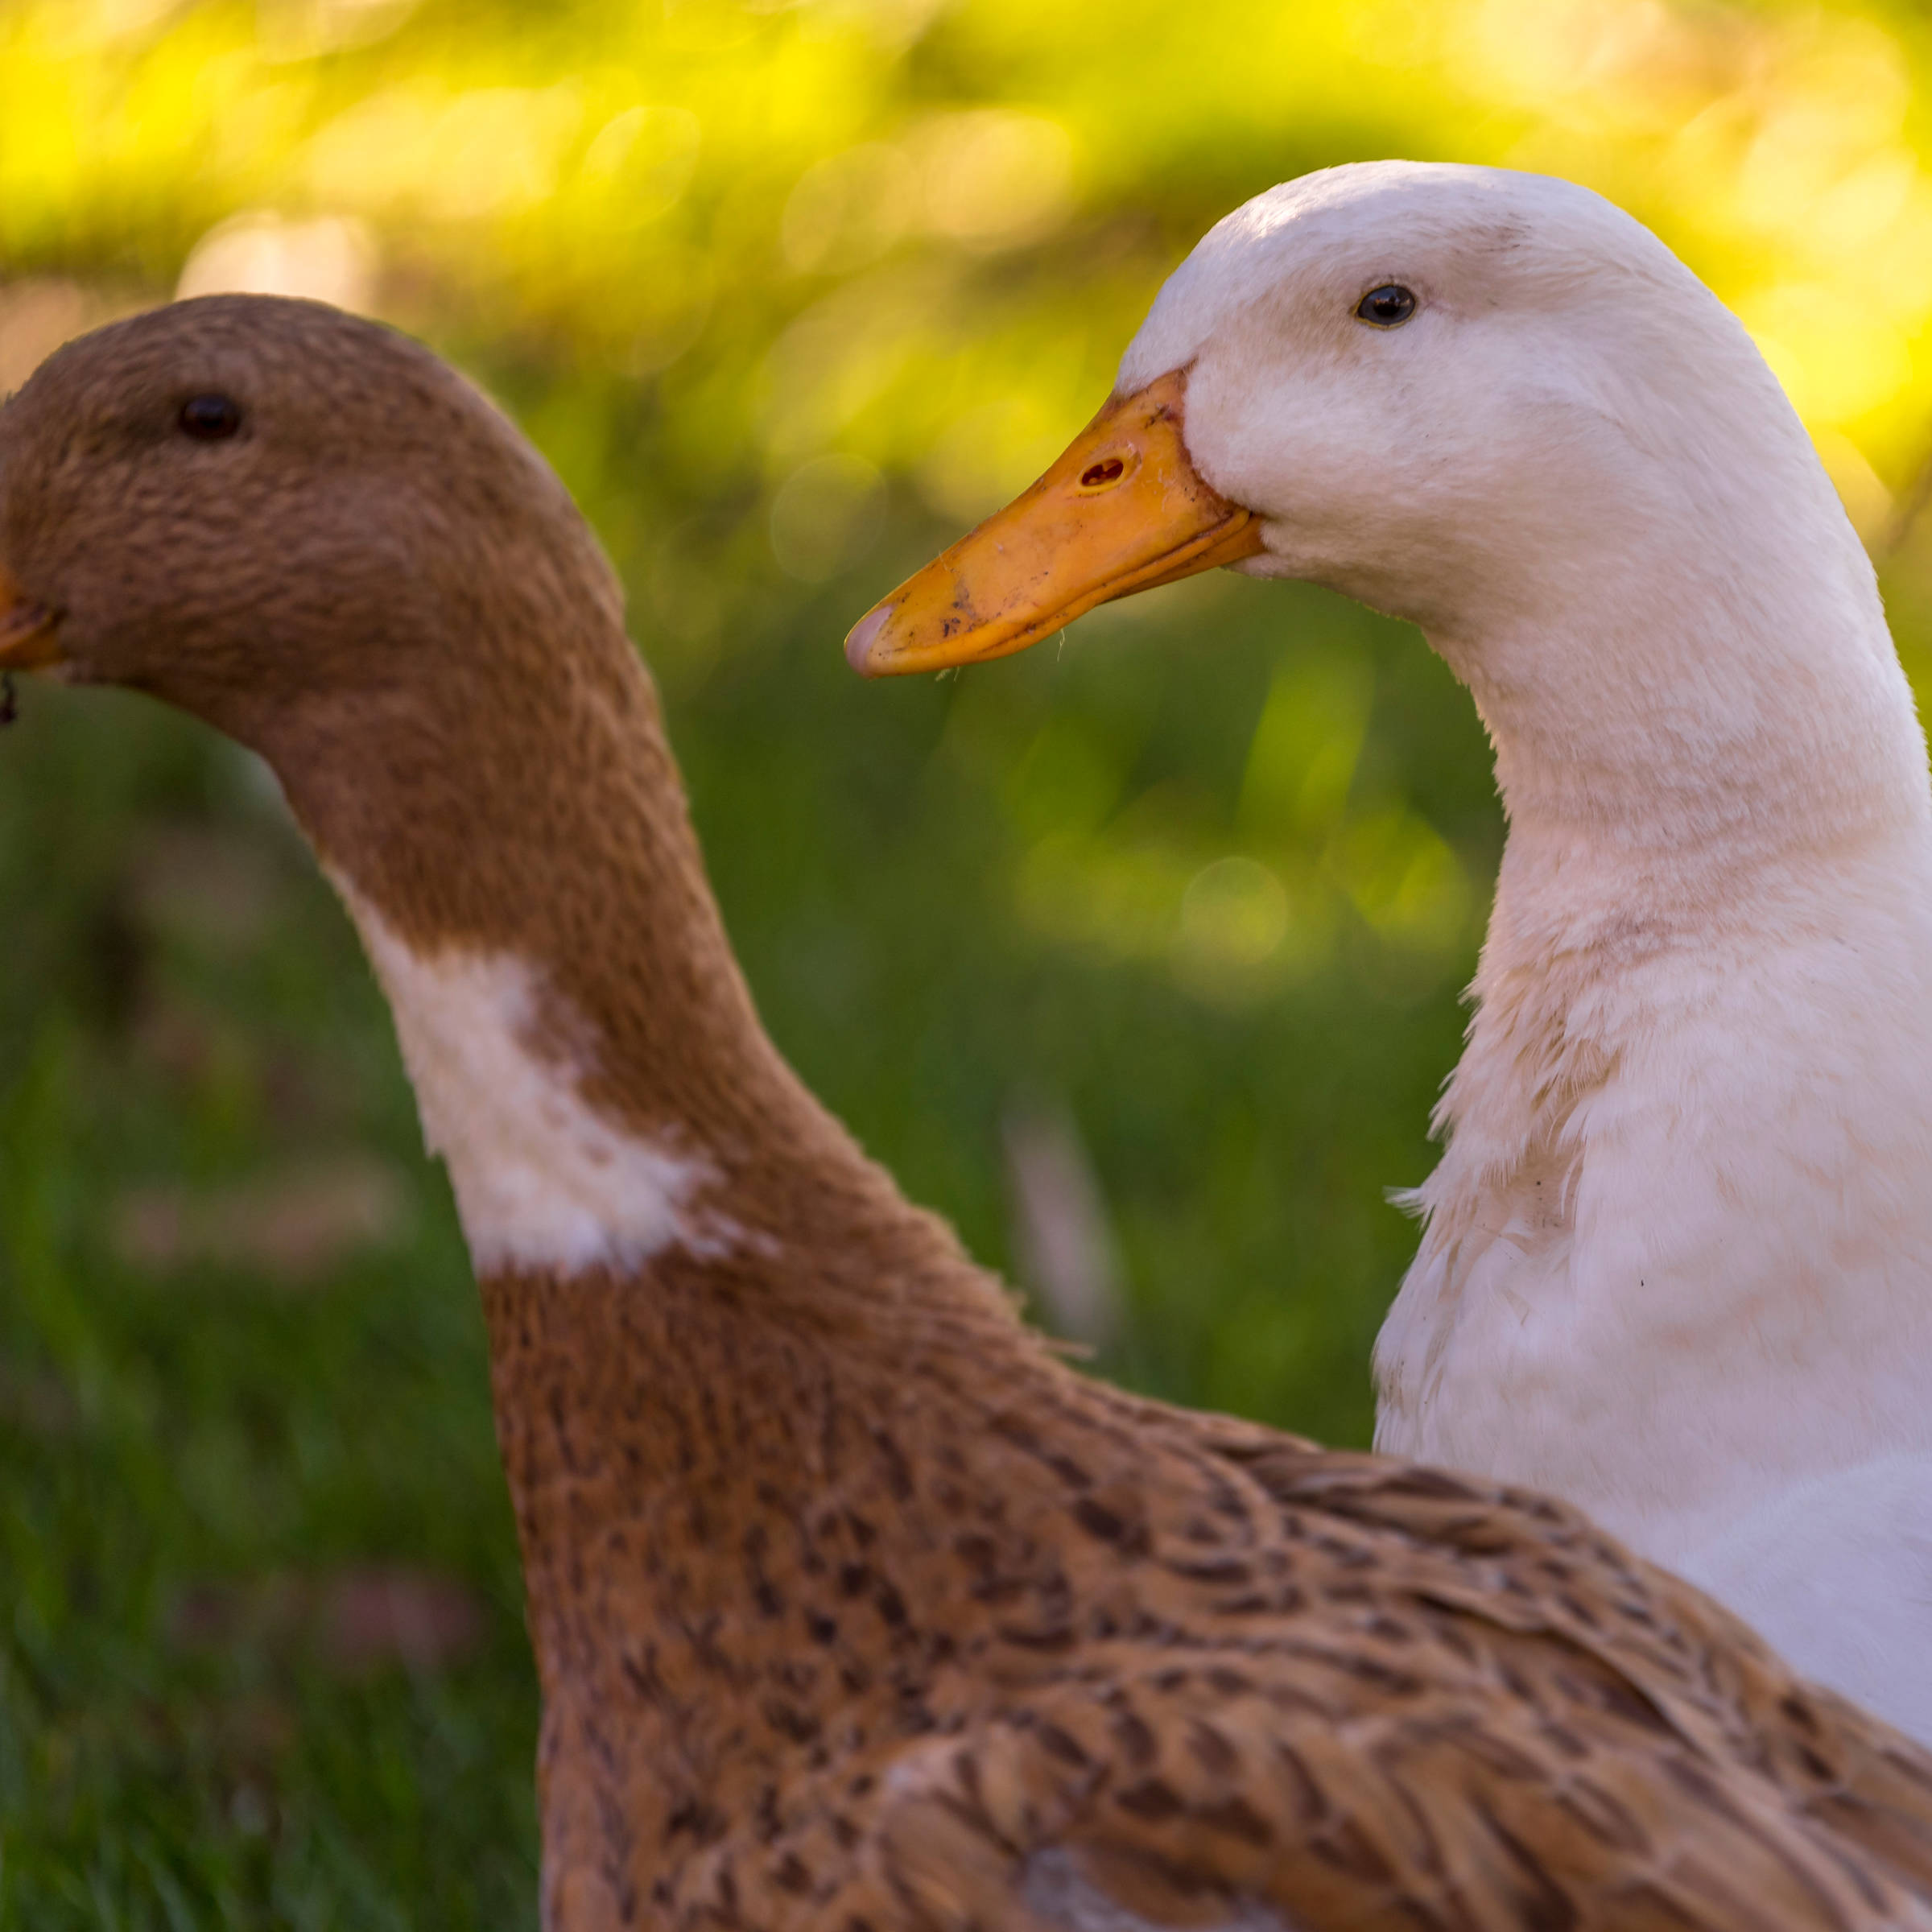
(1702, 733)
(1708, 667)
(1698, 1065)
(1682, 772)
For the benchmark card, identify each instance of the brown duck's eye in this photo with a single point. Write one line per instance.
(210, 419)
(1389, 307)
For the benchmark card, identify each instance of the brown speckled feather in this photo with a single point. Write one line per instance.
(1002, 1647)
(856, 1610)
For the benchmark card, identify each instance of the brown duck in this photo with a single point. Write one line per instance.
(854, 1607)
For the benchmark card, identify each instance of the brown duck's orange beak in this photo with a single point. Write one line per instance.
(1122, 510)
(28, 637)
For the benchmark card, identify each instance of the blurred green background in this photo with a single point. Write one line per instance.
(1139, 957)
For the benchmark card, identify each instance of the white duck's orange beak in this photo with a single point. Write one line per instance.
(29, 638)
(1122, 510)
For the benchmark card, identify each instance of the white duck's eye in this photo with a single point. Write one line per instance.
(1389, 307)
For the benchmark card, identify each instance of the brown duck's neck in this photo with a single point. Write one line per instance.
(519, 858)
(680, 1416)
(762, 1501)
(763, 1423)
(506, 822)
(520, 814)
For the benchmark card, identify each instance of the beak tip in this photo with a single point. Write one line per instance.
(859, 640)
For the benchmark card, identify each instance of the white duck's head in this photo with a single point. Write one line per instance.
(1495, 404)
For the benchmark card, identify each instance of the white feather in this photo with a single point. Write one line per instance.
(543, 1180)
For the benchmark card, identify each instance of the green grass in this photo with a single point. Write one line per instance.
(162, 1434)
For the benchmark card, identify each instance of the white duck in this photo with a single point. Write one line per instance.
(1677, 1264)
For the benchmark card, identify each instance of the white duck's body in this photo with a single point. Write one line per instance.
(1677, 1264)
(1678, 1260)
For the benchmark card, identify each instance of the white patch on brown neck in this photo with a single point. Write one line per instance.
(543, 1180)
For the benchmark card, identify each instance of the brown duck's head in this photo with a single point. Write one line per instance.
(275, 515)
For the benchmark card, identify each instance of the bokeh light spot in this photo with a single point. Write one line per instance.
(826, 516)
(329, 259)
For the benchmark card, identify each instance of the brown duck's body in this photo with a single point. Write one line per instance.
(855, 1609)
(878, 1616)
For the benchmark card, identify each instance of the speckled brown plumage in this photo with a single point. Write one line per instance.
(896, 1621)
(855, 1608)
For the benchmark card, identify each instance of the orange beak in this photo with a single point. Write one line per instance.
(27, 637)
(1122, 510)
